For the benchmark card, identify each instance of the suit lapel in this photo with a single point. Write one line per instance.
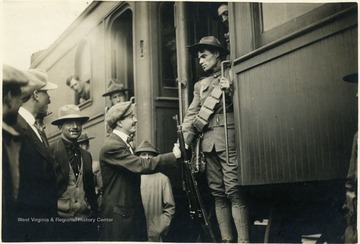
(62, 157)
(25, 129)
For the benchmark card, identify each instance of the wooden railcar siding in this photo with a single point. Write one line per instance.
(296, 115)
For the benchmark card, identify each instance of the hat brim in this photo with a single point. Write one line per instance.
(112, 92)
(147, 149)
(193, 50)
(48, 86)
(61, 120)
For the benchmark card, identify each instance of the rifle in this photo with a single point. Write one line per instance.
(190, 186)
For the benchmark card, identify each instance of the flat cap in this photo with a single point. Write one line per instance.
(12, 76)
(38, 80)
(118, 112)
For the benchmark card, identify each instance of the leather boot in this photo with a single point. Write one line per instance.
(223, 215)
(240, 215)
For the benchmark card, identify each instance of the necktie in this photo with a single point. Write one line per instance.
(74, 156)
(130, 141)
(42, 133)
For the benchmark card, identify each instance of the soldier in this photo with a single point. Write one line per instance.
(76, 190)
(221, 175)
(122, 209)
(223, 13)
(13, 80)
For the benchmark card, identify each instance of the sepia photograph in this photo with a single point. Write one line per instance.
(179, 121)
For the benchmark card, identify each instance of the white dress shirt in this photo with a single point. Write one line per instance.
(124, 137)
(30, 119)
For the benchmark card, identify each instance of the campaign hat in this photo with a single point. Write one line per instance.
(115, 86)
(208, 41)
(69, 112)
(146, 146)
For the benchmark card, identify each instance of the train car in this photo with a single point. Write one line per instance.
(295, 116)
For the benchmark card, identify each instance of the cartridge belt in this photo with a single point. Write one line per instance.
(218, 120)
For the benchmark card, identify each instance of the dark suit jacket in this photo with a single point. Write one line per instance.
(63, 170)
(37, 191)
(122, 204)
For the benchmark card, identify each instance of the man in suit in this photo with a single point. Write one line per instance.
(37, 190)
(13, 80)
(76, 189)
(122, 212)
(205, 122)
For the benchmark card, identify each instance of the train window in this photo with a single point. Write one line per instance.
(80, 82)
(168, 46)
(277, 20)
(276, 14)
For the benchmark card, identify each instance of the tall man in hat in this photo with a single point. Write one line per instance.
(37, 189)
(13, 80)
(204, 121)
(76, 190)
(122, 211)
(157, 197)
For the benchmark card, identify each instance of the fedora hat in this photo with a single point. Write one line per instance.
(208, 41)
(118, 112)
(84, 137)
(38, 80)
(12, 76)
(69, 112)
(115, 86)
(146, 146)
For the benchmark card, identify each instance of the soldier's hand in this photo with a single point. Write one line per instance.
(224, 83)
(176, 150)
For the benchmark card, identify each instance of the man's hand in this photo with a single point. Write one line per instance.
(176, 150)
(224, 83)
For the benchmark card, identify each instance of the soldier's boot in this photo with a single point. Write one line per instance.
(240, 215)
(223, 215)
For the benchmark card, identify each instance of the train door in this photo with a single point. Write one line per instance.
(122, 50)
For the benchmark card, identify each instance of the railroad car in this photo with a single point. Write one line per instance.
(295, 116)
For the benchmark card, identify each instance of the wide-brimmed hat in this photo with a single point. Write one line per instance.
(84, 137)
(353, 78)
(146, 146)
(69, 112)
(38, 80)
(208, 41)
(12, 76)
(118, 112)
(115, 86)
